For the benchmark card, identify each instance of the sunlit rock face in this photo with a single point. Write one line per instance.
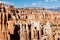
(28, 23)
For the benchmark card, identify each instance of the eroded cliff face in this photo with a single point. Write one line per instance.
(28, 24)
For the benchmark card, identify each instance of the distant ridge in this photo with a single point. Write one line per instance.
(31, 8)
(55, 9)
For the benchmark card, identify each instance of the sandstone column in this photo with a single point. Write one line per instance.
(27, 30)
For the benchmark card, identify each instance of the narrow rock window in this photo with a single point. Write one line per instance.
(0, 10)
(13, 11)
(5, 20)
(17, 11)
(29, 26)
(4, 9)
(9, 16)
(38, 35)
(44, 39)
(58, 38)
(25, 26)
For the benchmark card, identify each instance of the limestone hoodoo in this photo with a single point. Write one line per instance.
(28, 23)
